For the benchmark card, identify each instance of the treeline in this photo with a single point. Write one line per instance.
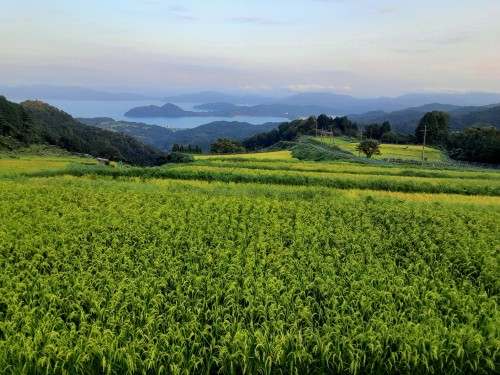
(34, 122)
(289, 131)
(189, 149)
(475, 143)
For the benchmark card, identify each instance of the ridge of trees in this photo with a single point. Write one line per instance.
(187, 150)
(475, 143)
(288, 131)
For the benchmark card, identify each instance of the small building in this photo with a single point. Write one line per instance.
(103, 161)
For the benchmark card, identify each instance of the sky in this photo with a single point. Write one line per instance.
(363, 48)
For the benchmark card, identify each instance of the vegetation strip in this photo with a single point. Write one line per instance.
(193, 172)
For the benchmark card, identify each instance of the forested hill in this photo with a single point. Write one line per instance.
(489, 116)
(163, 138)
(35, 122)
(405, 121)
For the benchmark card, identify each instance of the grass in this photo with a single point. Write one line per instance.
(10, 165)
(241, 174)
(274, 155)
(253, 263)
(126, 275)
(393, 151)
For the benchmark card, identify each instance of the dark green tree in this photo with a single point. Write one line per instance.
(376, 131)
(324, 122)
(371, 131)
(369, 147)
(393, 137)
(476, 143)
(435, 126)
(179, 157)
(346, 126)
(385, 128)
(225, 146)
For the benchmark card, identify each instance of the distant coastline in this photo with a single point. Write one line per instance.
(117, 109)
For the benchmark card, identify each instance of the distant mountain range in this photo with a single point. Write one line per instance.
(344, 104)
(405, 121)
(228, 110)
(336, 103)
(213, 96)
(164, 138)
(403, 112)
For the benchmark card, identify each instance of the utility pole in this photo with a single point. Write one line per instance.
(423, 144)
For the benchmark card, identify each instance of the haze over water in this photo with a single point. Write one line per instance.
(117, 109)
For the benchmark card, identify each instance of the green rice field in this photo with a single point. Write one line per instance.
(393, 151)
(248, 265)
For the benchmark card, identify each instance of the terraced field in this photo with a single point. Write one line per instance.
(249, 266)
(394, 151)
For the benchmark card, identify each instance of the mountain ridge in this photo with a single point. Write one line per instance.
(164, 138)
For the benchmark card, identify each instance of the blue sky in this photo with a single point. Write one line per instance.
(356, 47)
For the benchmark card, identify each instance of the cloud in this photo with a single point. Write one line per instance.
(256, 20)
(389, 10)
(446, 90)
(413, 51)
(177, 8)
(318, 88)
(257, 88)
(453, 38)
(180, 12)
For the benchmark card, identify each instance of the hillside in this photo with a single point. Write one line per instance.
(34, 122)
(481, 116)
(405, 121)
(17, 126)
(164, 138)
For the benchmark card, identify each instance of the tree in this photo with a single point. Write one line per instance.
(346, 126)
(385, 128)
(372, 131)
(225, 146)
(376, 131)
(179, 157)
(324, 122)
(435, 127)
(393, 137)
(369, 147)
(476, 143)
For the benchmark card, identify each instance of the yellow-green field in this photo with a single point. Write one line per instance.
(276, 155)
(26, 164)
(244, 265)
(393, 151)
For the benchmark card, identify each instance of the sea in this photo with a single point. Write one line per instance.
(117, 109)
